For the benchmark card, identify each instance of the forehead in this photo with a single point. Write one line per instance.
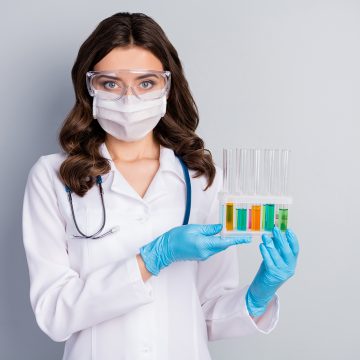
(134, 57)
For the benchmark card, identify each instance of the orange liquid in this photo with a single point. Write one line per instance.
(255, 217)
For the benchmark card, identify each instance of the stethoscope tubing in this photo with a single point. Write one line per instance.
(99, 184)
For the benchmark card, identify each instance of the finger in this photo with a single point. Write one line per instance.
(224, 242)
(268, 262)
(293, 241)
(280, 239)
(271, 235)
(282, 245)
(268, 242)
(209, 229)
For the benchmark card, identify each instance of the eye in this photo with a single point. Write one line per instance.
(110, 85)
(147, 84)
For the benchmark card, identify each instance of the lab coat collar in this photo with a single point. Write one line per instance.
(157, 187)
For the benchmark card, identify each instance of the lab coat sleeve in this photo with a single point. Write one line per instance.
(62, 301)
(221, 297)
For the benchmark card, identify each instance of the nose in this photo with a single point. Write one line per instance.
(128, 90)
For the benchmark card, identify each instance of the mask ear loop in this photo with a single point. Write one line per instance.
(168, 87)
(165, 97)
(163, 105)
(94, 106)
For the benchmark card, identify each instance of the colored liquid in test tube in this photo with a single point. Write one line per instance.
(283, 209)
(229, 216)
(263, 217)
(241, 218)
(254, 173)
(269, 216)
(255, 217)
(267, 176)
(283, 219)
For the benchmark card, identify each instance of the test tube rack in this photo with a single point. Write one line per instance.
(254, 197)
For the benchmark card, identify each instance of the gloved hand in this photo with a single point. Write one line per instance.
(186, 242)
(279, 255)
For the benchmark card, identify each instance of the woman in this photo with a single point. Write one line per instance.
(149, 281)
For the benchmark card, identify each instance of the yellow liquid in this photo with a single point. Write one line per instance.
(230, 216)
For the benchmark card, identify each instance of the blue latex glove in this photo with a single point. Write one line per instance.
(279, 255)
(186, 242)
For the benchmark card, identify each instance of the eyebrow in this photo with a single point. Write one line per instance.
(138, 77)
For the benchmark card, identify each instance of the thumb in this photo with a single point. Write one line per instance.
(210, 229)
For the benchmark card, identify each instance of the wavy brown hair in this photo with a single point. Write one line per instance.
(81, 135)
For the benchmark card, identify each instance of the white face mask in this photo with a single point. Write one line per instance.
(128, 119)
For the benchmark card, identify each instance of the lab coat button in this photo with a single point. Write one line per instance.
(146, 349)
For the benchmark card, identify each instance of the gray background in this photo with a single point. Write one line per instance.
(283, 74)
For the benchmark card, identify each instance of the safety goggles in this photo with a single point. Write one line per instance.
(114, 84)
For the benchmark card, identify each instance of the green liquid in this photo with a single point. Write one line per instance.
(241, 219)
(263, 217)
(283, 219)
(269, 216)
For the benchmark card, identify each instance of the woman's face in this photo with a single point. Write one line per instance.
(129, 58)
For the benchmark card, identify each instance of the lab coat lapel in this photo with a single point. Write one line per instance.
(157, 187)
(168, 163)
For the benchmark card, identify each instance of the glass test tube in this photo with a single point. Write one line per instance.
(263, 212)
(256, 208)
(268, 178)
(269, 217)
(225, 172)
(222, 214)
(283, 218)
(229, 185)
(255, 217)
(241, 217)
(229, 216)
(285, 154)
(229, 170)
(241, 209)
(284, 170)
(275, 181)
(248, 181)
(275, 187)
(241, 163)
(276, 217)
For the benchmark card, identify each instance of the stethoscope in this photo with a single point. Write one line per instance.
(116, 228)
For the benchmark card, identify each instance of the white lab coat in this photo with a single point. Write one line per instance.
(90, 293)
